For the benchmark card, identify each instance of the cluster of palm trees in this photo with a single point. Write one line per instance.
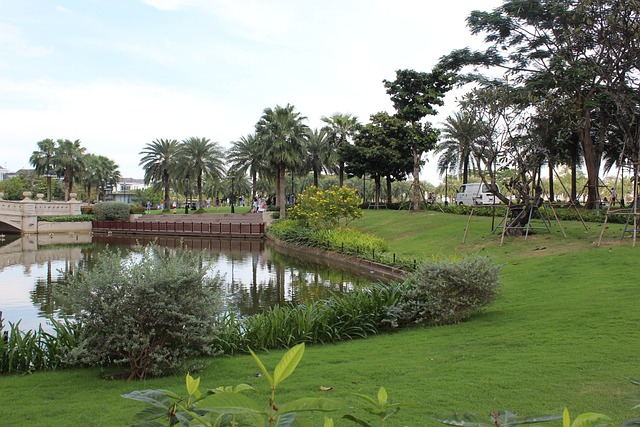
(68, 160)
(281, 142)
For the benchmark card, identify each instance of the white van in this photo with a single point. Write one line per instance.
(476, 193)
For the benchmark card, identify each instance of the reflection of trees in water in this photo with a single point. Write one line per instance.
(275, 278)
(43, 296)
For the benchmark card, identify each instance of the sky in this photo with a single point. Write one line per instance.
(118, 74)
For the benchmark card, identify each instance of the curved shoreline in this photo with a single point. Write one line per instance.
(372, 269)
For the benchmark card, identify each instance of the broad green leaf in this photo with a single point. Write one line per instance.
(463, 420)
(634, 422)
(566, 419)
(383, 398)
(591, 419)
(232, 403)
(534, 420)
(157, 398)
(192, 386)
(328, 422)
(357, 420)
(286, 420)
(262, 368)
(309, 404)
(288, 363)
(151, 413)
(367, 398)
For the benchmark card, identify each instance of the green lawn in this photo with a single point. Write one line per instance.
(564, 332)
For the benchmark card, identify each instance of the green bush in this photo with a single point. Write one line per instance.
(68, 218)
(446, 292)
(345, 240)
(152, 312)
(32, 350)
(137, 209)
(341, 317)
(112, 211)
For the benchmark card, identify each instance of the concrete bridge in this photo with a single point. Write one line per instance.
(21, 216)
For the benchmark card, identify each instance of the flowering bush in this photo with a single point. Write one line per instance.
(326, 208)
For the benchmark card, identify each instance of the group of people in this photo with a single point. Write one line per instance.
(259, 204)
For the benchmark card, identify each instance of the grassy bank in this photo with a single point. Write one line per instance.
(564, 332)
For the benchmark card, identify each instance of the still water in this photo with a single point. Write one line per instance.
(254, 274)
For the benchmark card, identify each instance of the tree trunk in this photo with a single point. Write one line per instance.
(167, 189)
(388, 189)
(551, 191)
(574, 174)
(416, 178)
(280, 194)
(315, 178)
(378, 185)
(200, 198)
(341, 174)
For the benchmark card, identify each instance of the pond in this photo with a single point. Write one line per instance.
(254, 274)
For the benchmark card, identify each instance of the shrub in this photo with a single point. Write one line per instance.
(32, 350)
(67, 218)
(344, 240)
(151, 313)
(326, 208)
(112, 211)
(137, 209)
(447, 292)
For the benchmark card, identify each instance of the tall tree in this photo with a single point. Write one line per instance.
(341, 128)
(458, 136)
(564, 47)
(68, 160)
(42, 161)
(159, 161)
(283, 132)
(414, 95)
(380, 149)
(320, 153)
(246, 155)
(200, 157)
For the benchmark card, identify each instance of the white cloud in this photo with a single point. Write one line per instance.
(11, 38)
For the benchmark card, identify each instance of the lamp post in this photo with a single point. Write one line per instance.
(49, 174)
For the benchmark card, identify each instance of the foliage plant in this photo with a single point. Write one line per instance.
(32, 350)
(321, 209)
(229, 406)
(379, 406)
(341, 317)
(446, 292)
(150, 313)
(342, 240)
(112, 211)
(68, 218)
(499, 419)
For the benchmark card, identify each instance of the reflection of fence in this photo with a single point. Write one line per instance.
(215, 229)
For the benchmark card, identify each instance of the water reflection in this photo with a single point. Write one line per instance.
(254, 274)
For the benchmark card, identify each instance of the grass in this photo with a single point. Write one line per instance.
(564, 332)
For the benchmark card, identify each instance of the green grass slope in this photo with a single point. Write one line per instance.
(564, 332)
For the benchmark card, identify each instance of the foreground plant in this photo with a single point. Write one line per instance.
(227, 406)
(378, 406)
(151, 313)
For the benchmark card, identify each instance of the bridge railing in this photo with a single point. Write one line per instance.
(182, 228)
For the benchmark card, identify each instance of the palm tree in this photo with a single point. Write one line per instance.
(246, 154)
(159, 160)
(341, 127)
(68, 160)
(200, 157)
(42, 159)
(283, 133)
(320, 152)
(100, 173)
(459, 134)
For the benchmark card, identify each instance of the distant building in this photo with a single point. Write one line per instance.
(126, 190)
(3, 172)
